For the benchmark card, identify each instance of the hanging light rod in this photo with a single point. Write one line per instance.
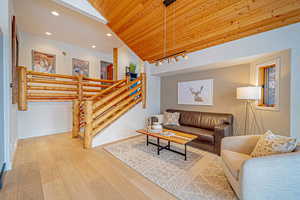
(173, 55)
(170, 58)
(168, 2)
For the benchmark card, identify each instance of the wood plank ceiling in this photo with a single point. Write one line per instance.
(192, 24)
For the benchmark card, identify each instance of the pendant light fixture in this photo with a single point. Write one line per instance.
(174, 57)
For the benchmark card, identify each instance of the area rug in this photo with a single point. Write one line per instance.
(201, 177)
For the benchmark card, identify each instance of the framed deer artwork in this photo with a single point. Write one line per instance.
(199, 92)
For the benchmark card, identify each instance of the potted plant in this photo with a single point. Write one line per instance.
(132, 73)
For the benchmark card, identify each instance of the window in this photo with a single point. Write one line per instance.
(268, 83)
(268, 79)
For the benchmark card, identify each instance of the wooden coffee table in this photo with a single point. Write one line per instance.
(179, 138)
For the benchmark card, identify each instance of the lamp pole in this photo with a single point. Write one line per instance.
(249, 94)
(246, 117)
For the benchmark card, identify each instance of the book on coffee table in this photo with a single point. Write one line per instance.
(167, 133)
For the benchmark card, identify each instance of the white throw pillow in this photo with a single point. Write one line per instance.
(160, 118)
(171, 118)
(269, 144)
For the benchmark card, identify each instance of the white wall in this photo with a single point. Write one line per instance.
(277, 119)
(9, 129)
(2, 143)
(45, 119)
(275, 40)
(126, 125)
(48, 118)
(84, 7)
(30, 42)
(226, 80)
(126, 56)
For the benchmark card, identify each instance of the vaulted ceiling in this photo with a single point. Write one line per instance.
(192, 24)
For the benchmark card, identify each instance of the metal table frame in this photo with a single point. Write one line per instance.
(167, 147)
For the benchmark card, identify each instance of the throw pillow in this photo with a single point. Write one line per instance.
(159, 118)
(171, 118)
(269, 144)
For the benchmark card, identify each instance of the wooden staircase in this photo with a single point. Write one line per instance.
(96, 103)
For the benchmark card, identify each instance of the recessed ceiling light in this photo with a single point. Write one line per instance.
(94, 46)
(109, 34)
(55, 13)
(48, 33)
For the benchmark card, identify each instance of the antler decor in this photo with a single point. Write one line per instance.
(197, 94)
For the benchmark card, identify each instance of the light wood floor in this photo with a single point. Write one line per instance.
(56, 167)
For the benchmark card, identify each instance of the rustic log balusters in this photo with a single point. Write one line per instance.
(80, 87)
(22, 92)
(89, 124)
(144, 90)
(95, 105)
(46, 87)
(76, 121)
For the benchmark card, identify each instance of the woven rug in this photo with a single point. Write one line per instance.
(201, 177)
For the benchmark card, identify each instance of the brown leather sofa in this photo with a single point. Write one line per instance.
(209, 127)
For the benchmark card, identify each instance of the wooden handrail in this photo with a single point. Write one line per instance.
(49, 81)
(51, 88)
(114, 93)
(114, 101)
(99, 80)
(51, 99)
(118, 102)
(95, 85)
(115, 108)
(30, 81)
(92, 90)
(51, 95)
(96, 102)
(107, 90)
(109, 104)
(51, 75)
(29, 72)
(115, 117)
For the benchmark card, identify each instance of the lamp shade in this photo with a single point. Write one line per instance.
(248, 93)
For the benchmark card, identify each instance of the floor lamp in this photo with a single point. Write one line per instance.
(249, 94)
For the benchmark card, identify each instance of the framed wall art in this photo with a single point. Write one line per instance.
(80, 67)
(199, 92)
(43, 62)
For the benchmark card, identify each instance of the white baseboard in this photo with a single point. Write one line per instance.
(38, 133)
(107, 142)
(9, 163)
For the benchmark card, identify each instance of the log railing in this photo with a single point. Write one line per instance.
(96, 103)
(114, 102)
(45, 87)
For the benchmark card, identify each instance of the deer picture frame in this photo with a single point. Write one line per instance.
(199, 92)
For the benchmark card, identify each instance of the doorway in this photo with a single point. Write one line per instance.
(106, 70)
